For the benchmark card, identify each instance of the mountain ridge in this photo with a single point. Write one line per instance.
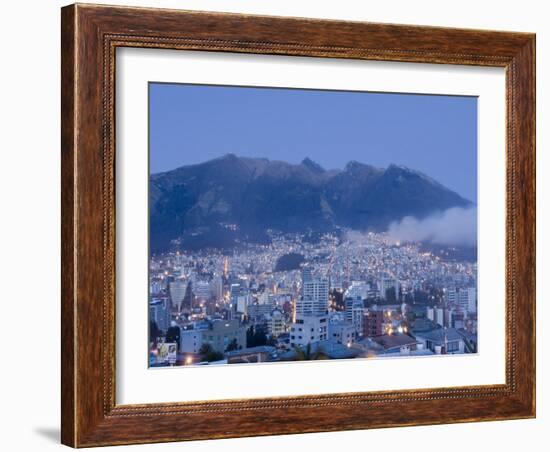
(195, 203)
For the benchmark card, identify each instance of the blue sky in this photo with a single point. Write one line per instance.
(434, 134)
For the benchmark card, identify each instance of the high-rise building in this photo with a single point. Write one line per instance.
(235, 291)
(350, 303)
(386, 285)
(440, 316)
(177, 293)
(202, 291)
(241, 303)
(307, 273)
(373, 323)
(159, 312)
(467, 299)
(358, 289)
(234, 294)
(451, 295)
(464, 297)
(357, 316)
(430, 313)
(216, 287)
(277, 326)
(314, 299)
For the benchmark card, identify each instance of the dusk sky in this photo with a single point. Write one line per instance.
(434, 134)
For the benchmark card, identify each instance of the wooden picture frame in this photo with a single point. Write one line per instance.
(90, 36)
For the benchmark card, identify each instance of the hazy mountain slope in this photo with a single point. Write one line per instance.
(223, 201)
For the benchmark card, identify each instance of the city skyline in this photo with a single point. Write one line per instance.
(262, 252)
(358, 296)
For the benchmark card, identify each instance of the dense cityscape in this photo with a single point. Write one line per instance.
(309, 296)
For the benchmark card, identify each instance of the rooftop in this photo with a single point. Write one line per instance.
(249, 350)
(336, 350)
(423, 325)
(388, 341)
(438, 336)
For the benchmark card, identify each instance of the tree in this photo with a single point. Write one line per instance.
(249, 336)
(206, 348)
(232, 345)
(209, 354)
(260, 338)
(308, 355)
(173, 335)
(154, 331)
(255, 336)
(390, 295)
(420, 297)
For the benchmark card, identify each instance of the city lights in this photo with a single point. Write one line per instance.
(357, 296)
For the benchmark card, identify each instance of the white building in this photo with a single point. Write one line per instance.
(357, 316)
(439, 316)
(314, 298)
(467, 299)
(242, 303)
(307, 273)
(277, 324)
(464, 297)
(341, 332)
(354, 313)
(349, 305)
(430, 313)
(190, 341)
(308, 330)
(358, 289)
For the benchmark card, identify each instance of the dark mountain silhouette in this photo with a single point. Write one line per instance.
(230, 199)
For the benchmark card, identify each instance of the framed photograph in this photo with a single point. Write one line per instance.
(281, 225)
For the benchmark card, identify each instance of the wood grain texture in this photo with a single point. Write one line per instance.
(67, 225)
(90, 36)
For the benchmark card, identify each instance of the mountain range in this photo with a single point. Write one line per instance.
(230, 199)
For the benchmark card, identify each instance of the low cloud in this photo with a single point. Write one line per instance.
(456, 226)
